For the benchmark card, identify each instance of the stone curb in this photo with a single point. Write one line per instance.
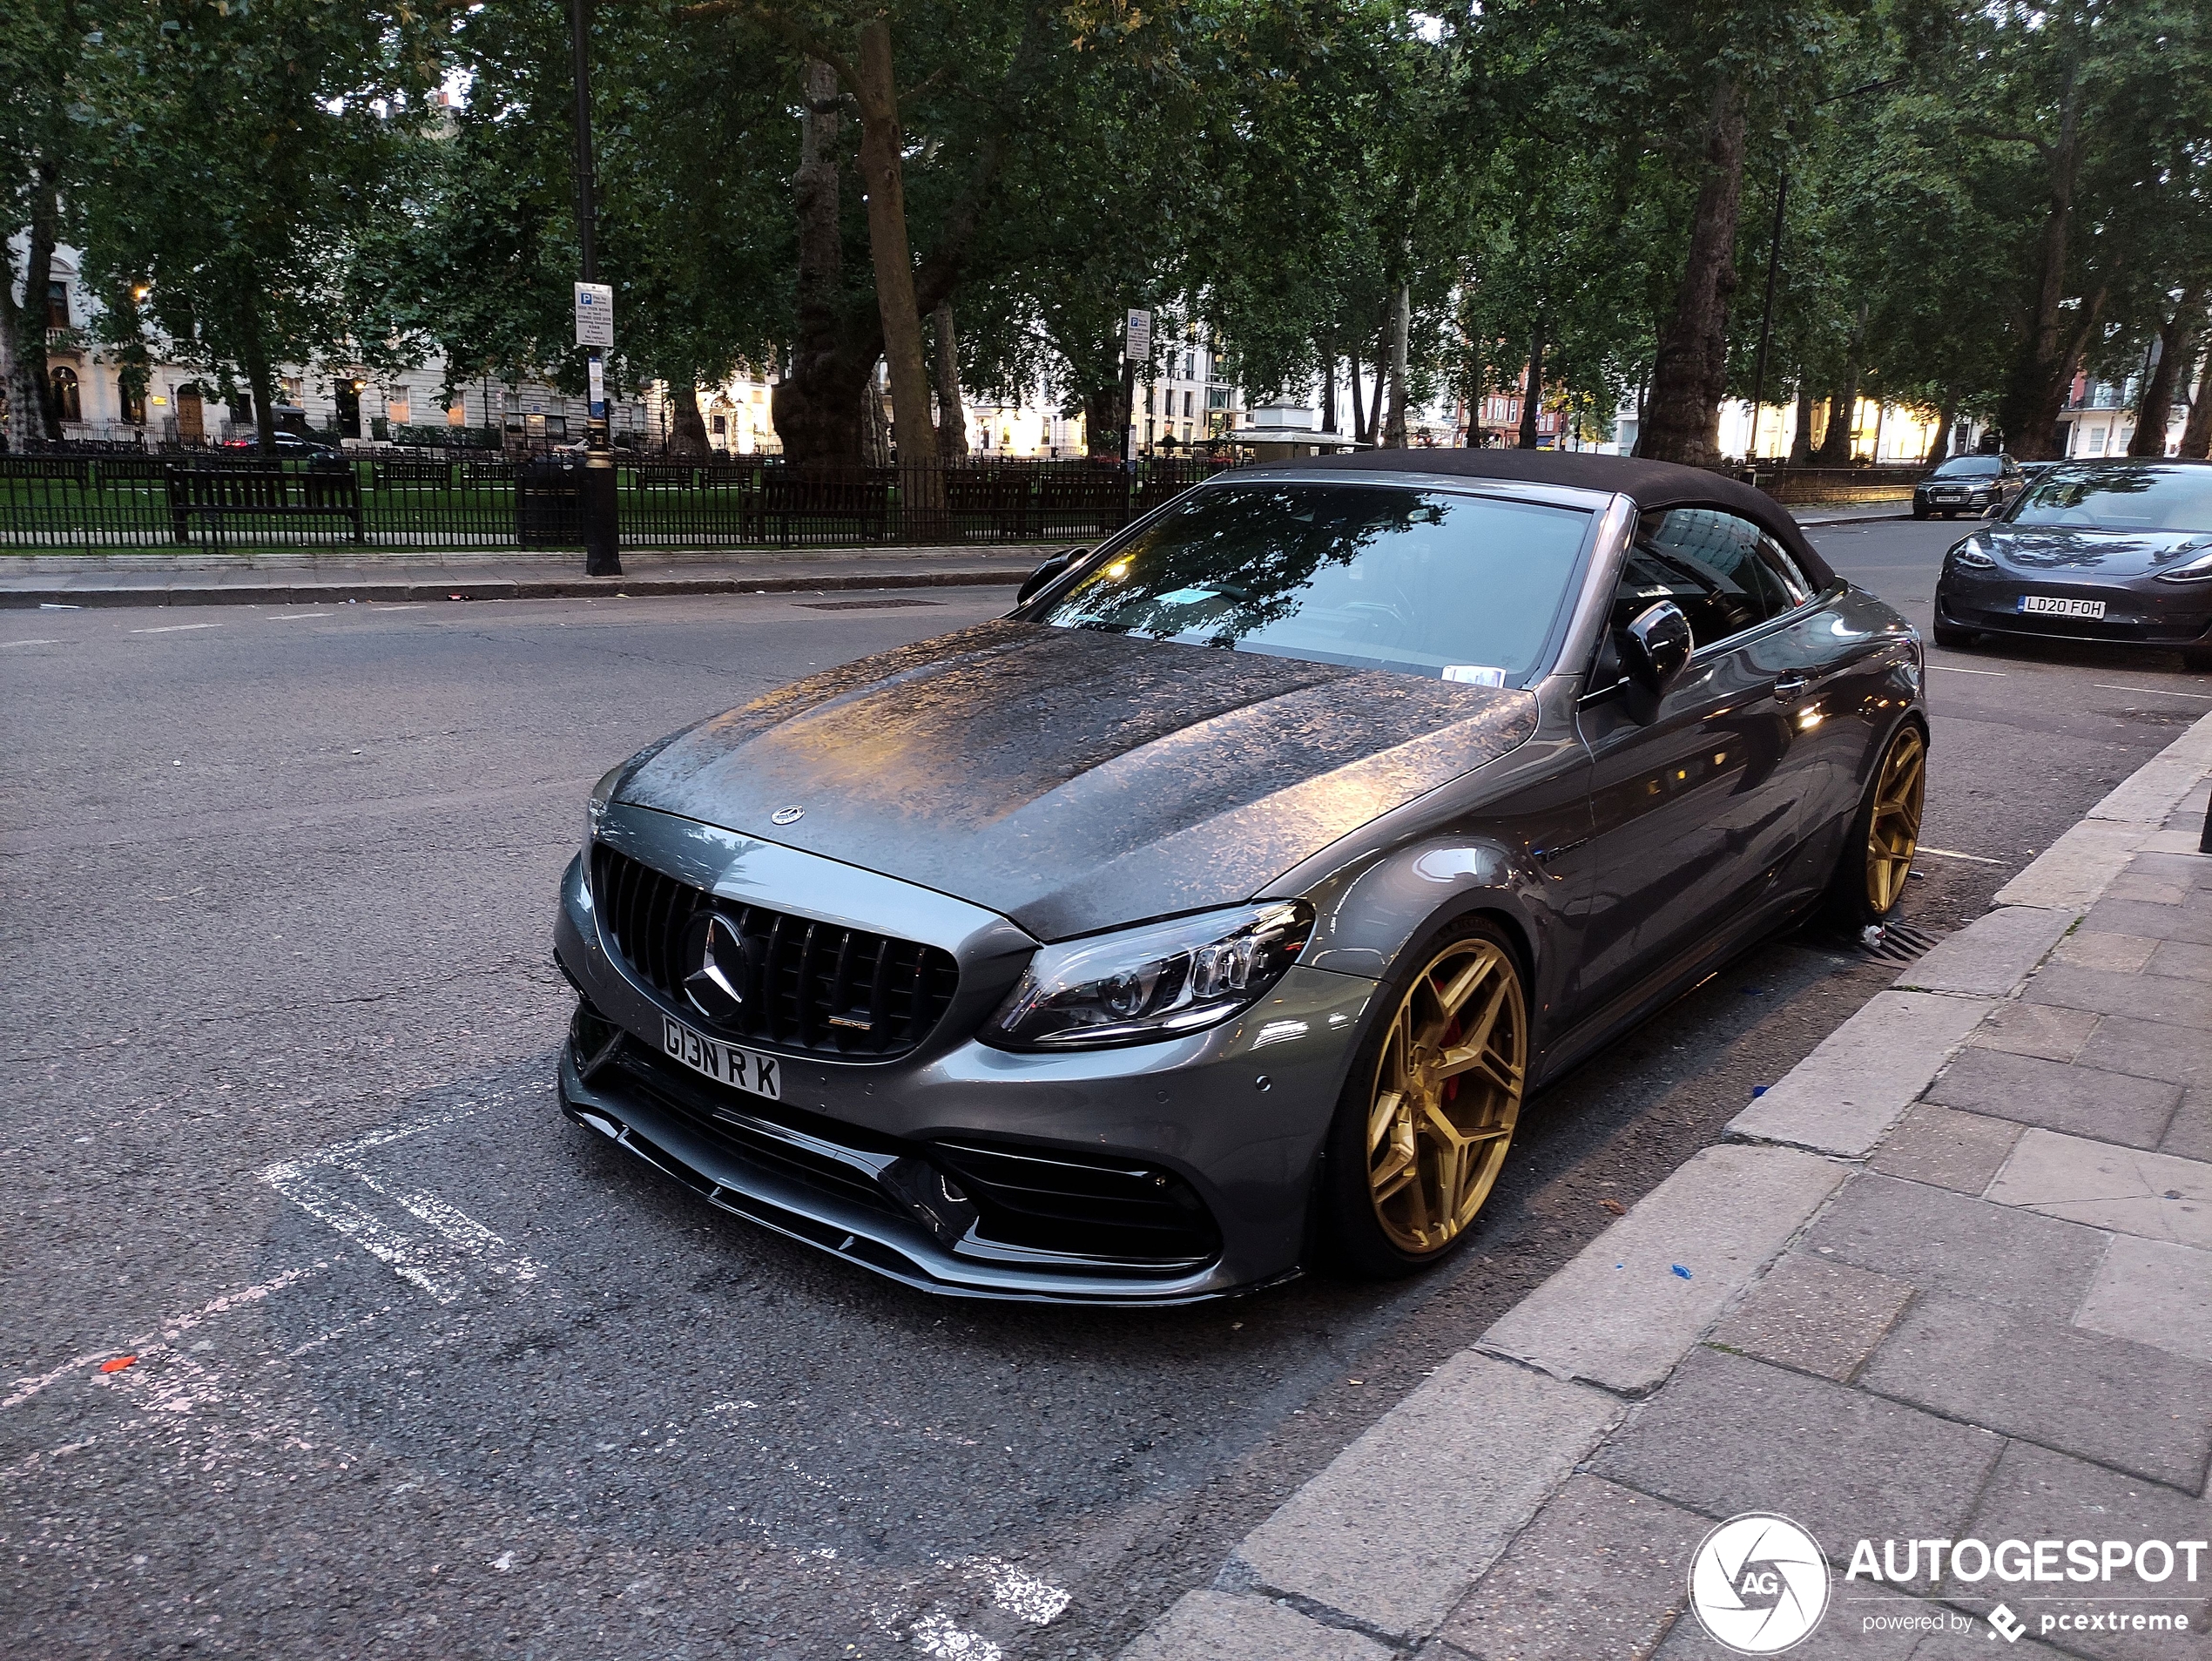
(1851, 519)
(544, 588)
(1383, 1542)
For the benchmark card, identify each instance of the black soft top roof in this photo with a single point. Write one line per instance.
(1649, 484)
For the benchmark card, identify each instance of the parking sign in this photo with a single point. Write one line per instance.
(595, 315)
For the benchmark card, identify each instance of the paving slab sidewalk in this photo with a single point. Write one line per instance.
(293, 578)
(1950, 1280)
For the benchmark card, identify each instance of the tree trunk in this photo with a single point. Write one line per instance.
(816, 405)
(883, 170)
(687, 433)
(1382, 376)
(2040, 440)
(1691, 375)
(2196, 433)
(16, 389)
(1801, 440)
(1532, 386)
(1329, 385)
(1946, 418)
(39, 276)
(2176, 340)
(875, 432)
(2028, 410)
(1359, 399)
(1402, 320)
(1843, 404)
(1102, 421)
(952, 413)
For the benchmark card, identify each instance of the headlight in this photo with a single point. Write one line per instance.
(1972, 555)
(602, 793)
(1154, 983)
(2198, 569)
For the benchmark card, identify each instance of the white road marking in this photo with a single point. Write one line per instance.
(4, 645)
(338, 1188)
(168, 1331)
(174, 628)
(1951, 854)
(298, 617)
(2163, 692)
(1953, 669)
(935, 1636)
(1038, 1602)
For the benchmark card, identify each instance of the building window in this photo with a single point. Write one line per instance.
(67, 405)
(2097, 440)
(399, 410)
(456, 414)
(58, 304)
(134, 404)
(721, 425)
(1186, 411)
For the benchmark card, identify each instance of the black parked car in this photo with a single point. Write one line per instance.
(1973, 485)
(288, 444)
(2099, 550)
(1232, 892)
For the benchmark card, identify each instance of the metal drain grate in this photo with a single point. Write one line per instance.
(1896, 943)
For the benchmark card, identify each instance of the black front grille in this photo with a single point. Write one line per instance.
(808, 986)
(1080, 1205)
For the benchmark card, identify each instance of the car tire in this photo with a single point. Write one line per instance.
(1871, 873)
(1954, 639)
(1919, 513)
(1403, 1183)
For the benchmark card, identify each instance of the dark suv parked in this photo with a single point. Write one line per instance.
(1974, 484)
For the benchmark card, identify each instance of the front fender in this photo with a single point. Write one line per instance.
(1366, 915)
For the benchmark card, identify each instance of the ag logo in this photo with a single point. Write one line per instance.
(1758, 1583)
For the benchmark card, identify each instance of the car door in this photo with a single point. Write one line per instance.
(1695, 811)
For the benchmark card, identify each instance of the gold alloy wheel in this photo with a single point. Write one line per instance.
(1893, 833)
(1447, 1095)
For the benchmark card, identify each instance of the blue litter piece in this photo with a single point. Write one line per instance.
(1758, 1090)
(1681, 1272)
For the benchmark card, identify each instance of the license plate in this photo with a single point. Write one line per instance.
(2050, 606)
(725, 1063)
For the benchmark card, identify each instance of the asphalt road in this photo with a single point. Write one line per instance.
(421, 1370)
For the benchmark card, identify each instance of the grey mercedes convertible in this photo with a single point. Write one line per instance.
(1216, 909)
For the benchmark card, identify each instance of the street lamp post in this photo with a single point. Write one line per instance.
(602, 551)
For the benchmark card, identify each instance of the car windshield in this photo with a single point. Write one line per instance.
(1966, 467)
(1428, 582)
(2119, 497)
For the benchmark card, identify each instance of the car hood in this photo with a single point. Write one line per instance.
(2060, 552)
(1071, 779)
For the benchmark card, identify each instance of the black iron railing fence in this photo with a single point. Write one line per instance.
(221, 501)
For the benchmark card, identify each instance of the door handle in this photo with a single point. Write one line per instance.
(1789, 686)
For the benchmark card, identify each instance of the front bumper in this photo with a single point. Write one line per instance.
(1227, 1122)
(1970, 502)
(2171, 616)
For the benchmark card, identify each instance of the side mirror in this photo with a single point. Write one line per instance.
(1044, 573)
(1654, 649)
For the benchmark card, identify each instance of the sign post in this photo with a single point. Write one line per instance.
(595, 330)
(1137, 349)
